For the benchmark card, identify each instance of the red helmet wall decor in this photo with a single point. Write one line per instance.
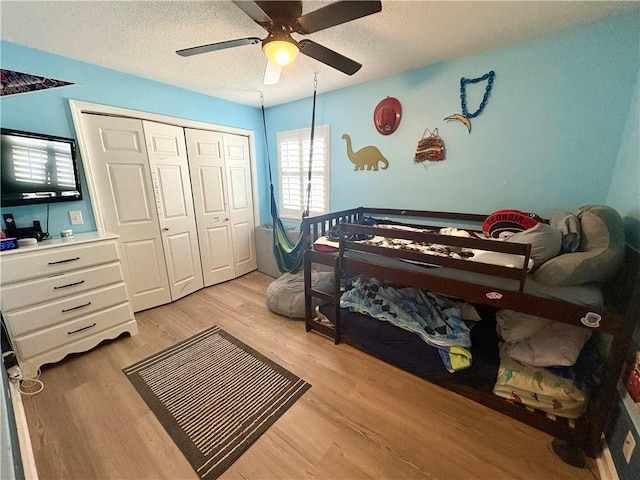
(386, 116)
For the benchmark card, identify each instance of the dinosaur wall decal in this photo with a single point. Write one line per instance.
(368, 156)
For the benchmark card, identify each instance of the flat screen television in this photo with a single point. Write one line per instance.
(37, 168)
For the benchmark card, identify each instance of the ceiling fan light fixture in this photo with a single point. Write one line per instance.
(281, 52)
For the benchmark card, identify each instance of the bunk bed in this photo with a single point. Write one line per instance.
(491, 288)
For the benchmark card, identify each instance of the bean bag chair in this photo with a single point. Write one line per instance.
(598, 256)
(285, 295)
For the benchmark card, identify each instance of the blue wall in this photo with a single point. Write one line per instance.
(548, 138)
(624, 192)
(557, 131)
(47, 111)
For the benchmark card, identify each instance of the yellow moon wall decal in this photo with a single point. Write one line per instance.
(462, 119)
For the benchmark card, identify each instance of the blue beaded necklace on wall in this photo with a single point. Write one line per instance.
(466, 116)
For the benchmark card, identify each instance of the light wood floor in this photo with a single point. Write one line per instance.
(361, 418)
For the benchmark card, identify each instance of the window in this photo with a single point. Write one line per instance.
(293, 160)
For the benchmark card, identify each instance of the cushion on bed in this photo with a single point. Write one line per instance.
(538, 388)
(557, 344)
(599, 255)
(545, 241)
(499, 258)
(515, 326)
(540, 342)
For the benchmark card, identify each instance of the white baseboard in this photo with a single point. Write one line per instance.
(604, 462)
(26, 451)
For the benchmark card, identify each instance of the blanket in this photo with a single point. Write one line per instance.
(436, 320)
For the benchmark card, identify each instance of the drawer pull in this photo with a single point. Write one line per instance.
(76, 308)
(83, 328)
(64, 261)
(69, 285)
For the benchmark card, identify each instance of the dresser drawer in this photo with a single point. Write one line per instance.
(77, 329)
(33, 264)
(32, 292)
(20, 322)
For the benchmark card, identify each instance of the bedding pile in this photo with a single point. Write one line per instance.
(544, 364)
(330, 243)
(438, 321)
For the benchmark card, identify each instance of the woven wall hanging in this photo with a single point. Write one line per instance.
(430, 148)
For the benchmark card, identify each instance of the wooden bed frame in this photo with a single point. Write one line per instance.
(573, 438)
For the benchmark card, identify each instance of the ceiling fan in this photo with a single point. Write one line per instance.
(282, 18)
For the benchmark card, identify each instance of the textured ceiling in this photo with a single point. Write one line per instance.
(141, 38)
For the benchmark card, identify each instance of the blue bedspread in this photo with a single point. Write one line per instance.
(435, 319)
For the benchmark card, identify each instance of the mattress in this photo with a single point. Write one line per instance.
(589, 294)
(407, 351)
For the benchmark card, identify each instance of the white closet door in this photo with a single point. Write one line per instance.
(238, 165)
(208, 181)
(125, 197)
(170, 174)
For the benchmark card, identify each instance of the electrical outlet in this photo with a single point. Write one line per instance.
(76, 217)
(628, 446)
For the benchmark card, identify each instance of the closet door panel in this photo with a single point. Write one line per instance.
(211, 183)
(132, 205)
(242, 247)
(174, 202)
(238, 169)
(221, 258)
(238, 190)
(182, 265)
(142, 256)
(125, 196)
(208, 180)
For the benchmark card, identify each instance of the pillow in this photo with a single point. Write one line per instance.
(538, 388)
(569, 227)
(545, 242)
(515, 326)
(499, 258)
(557, 344)
(599, 255)
(506, 222)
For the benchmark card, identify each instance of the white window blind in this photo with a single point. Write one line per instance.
(293, 172)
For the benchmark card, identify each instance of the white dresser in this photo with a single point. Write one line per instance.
(63, 296)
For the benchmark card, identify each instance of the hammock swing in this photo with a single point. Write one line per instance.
(289, 254)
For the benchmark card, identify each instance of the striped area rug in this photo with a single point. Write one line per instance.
(215, 396)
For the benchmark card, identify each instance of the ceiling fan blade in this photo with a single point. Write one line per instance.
(280, 11)
(272, 73)
(187, 52)
(253, 10)
(329, 57)
(335, 14)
